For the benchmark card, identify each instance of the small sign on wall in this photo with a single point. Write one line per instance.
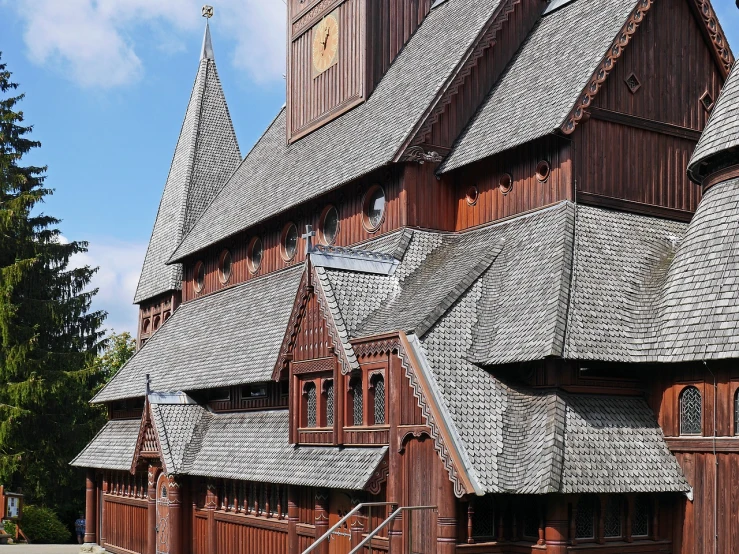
(12, 506)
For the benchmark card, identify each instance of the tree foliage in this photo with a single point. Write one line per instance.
(49, 335)
(116, 352)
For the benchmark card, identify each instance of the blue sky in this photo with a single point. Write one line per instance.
(107, 83)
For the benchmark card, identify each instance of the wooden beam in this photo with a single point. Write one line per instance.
(602, 201)
(645, 124)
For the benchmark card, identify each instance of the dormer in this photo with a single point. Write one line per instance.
(338, 50)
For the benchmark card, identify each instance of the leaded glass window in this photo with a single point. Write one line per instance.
(357, 402)
(310, 393)
(612, 527)
(690, 411)
(640, 518)
(329, 403)
(483, 520)
(585, 520)
(379, 400)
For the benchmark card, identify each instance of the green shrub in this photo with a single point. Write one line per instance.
(9, 528)
(42, 526)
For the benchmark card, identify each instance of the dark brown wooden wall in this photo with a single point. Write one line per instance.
(341, 86)
(390, 24)
(430, 200)
(348, 201)
(124, 523)
(528, 193)
(641, 153)
(674, 65)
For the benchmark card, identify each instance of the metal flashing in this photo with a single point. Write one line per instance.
(351, 259)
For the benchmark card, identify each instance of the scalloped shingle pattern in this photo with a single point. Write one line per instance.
(722, 129)
(112, 447)
(541, 85)
(206, 155)
(175, 426)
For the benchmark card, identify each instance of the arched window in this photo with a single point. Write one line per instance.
(311, 400)
(378, 384)
(690, 411)
(328, 389)
(736, 412)
(357, 401)
(585, 520)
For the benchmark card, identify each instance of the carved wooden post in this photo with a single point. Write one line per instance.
(446, 521)
(470, 520)
(556, 525)
(292, 520)
(90, 508)
(175, 515)
(356, 530)
(395, 534)
(540, 506)
(395, 459)
(211, 503)
(151, 510)
(321, 519)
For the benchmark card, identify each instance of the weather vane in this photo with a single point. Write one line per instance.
(207, 11)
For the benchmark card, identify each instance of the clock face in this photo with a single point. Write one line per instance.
(325, 44)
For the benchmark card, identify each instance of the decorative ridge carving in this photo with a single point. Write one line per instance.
(485, 41)
(376, 347)
(147, 424)
(439, 444)
(420, 155)
(716, 35)
(605, 67)
(379, 476)
(291, 333)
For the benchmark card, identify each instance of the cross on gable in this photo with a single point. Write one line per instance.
(308, 236)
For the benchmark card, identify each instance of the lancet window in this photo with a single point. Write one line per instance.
(357, 401)
(690, 411)
(378, 388)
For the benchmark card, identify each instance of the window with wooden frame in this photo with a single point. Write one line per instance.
(482, 515)
(377, 390)
(640, 516)
(355, 406)
(585, 518)
(612, 517)
(691, 411)
(317, 410)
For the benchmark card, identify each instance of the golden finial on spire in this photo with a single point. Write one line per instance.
(207, 11)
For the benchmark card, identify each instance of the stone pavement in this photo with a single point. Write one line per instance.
(40, 549)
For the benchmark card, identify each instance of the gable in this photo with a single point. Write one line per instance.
(147, 442)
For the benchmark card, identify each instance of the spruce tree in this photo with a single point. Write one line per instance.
(48, 333)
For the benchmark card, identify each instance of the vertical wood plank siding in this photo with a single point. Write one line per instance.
(527, 193)
(124, 525)
(234, 538)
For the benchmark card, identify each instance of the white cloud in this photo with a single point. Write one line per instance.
(98, 43)
(120, 265)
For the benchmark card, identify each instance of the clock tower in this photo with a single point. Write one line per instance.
(338, 50)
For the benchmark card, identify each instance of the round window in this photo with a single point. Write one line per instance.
(289, 242)
(542, 171)
(329, 225)
(199, 277)
(471, 195)
(506, 183)
(374, 207)
(224, 266)
(255, 254)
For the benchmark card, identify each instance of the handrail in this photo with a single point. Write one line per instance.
(358, 507)
(390, 518)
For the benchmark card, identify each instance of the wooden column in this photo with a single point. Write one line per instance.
(103, 517)
(394, 491)
(292, 520)
(211, 503)
(151, 510)
(321, 519)
(357, 529)
(175, 515)
(90, 508)
(556, 525)
(446, 522)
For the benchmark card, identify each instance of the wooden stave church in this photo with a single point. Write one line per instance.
(503, 344)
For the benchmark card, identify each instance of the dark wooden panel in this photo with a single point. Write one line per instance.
(637, 165)
(313, 340)
(369, 436)
(528, 191)
(124, 525)
(430, 200)
(246, 538)
(674, 66)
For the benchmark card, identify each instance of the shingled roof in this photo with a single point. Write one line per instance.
(112, 447)
(226, 338)
(207, 153)
(176, 427)
(276, 176)
(560, 54)
(721, 133)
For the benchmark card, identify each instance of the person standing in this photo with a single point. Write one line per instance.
(79, 527)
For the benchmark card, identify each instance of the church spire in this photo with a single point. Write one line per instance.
(207, 153)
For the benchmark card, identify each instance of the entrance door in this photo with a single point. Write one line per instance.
(340, 504)
(162, 515)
